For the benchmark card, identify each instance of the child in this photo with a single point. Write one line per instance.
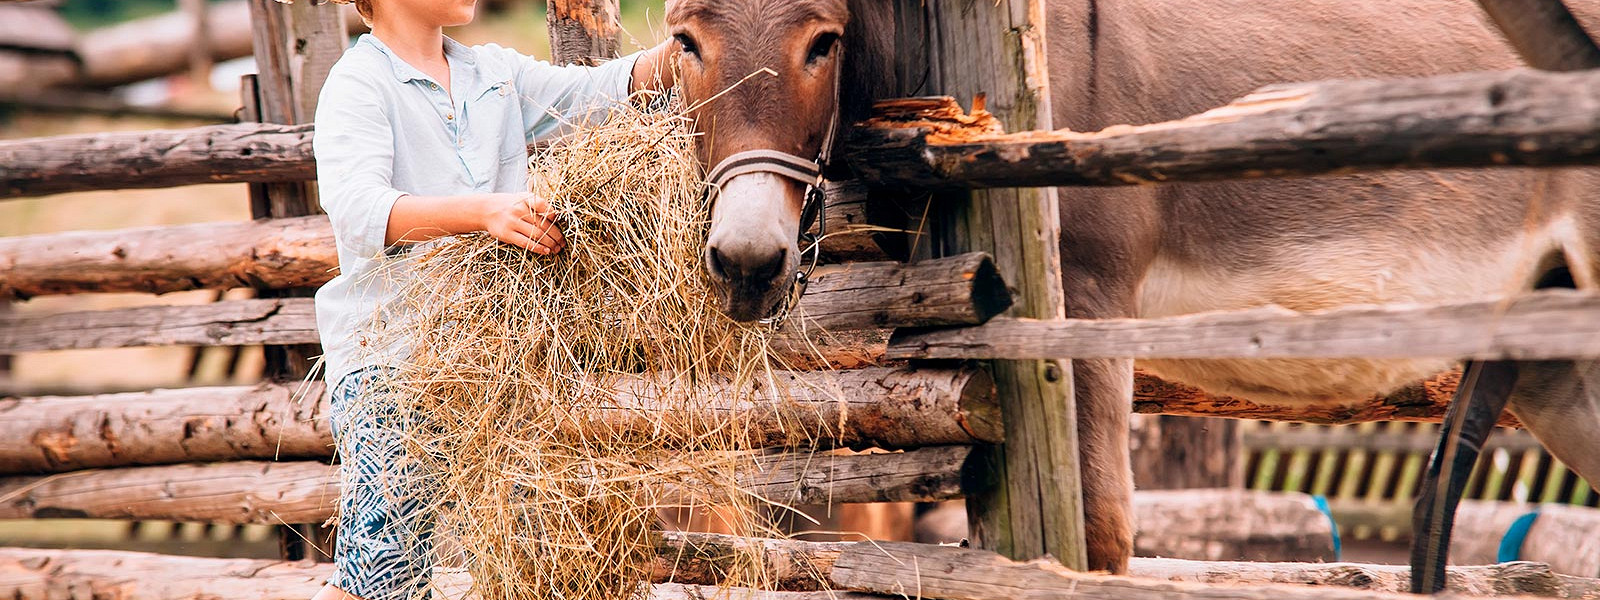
(418, 137)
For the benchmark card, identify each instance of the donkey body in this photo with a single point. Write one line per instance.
(1305, 244)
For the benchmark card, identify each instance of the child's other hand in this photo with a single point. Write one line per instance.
(523, 220)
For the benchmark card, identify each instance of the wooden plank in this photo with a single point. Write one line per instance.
(583, 32)
(158, 158)
(959, 289)
(305, 492)
(1504, 579)
(1544, 33)
(1541, 325)
(1483, 119)
(875, 407)
(1028, 503)
(1424, 401)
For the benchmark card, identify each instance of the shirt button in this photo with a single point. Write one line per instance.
(450, 117)
(434, 85)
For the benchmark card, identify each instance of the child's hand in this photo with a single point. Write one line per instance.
(523, 220)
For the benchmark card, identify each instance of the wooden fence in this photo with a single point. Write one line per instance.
(1000, 433)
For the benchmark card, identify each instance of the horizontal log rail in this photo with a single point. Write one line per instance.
(1485, 119)
(1536, 326)
(304, 492)
(965, 289)
(874, 407)
(267, 253)
(1425, 401)
(1565, 537)
(1517, 117)
(41, 574)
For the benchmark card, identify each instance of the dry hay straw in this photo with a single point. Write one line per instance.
(514, 354)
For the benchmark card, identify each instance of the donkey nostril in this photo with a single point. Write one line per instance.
(715, 263)
(771, 267)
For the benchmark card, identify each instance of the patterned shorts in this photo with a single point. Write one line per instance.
(385, 534)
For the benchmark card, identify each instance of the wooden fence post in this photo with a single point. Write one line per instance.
(295, 47)
(583, 32)
(1027, 497)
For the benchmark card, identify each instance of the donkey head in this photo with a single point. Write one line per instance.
(775, 64)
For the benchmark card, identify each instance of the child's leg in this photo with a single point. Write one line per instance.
(384, 548)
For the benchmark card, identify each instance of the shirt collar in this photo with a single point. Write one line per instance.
(454, 51)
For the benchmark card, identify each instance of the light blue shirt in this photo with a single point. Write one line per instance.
(385, 129)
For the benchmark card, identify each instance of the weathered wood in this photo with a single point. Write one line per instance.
(853, 228)
(227, 323)
(926, 571)
(959, 289)
(1425, 401)
(583, 32)
(305, 492)
(275, 253)
(1505, 579)
(157, 158)
(876, 407)
(1565, 537)
(1484, 119)
(1541, 325)
(965, 288)
(158, 46)
(688, 559)
(1028, 499)
(1231, 524)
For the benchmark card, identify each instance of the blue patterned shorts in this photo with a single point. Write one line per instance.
(385, 534)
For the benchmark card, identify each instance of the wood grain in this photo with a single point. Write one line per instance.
(1541, 325)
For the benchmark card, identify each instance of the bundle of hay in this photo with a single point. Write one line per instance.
(518, 359)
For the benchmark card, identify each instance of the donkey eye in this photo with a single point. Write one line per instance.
(822, 47)
(687, 43)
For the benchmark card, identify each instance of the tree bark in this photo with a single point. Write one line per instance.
(1424, 401)
(1484, 119)
(583, 32)
(875, 407)
(304, 492)
(1535, 326)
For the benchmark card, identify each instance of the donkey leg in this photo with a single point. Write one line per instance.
(1485, 388)
(1559, 402)
(1104, 391)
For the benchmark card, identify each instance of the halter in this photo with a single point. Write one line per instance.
(808, 173)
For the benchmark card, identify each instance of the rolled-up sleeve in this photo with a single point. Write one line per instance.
(557, 98)
(354, 148)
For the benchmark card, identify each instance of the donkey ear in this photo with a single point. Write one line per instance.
(868, 73)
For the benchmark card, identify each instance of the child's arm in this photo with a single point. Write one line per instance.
(653, 69)
(556, 98)
(518, 219)
(354, 147)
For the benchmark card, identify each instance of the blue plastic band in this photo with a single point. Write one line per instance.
(1322, 505)
(1511, 542)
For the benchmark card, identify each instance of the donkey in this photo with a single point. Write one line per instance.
(1305, 244)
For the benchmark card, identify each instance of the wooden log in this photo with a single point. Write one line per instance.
(270, 253)
(926, 571)
(158, 46)
(855, 228)
(583, 32)
(1504, 579)
(965, 288)
(1231, 524)
(304, 492)
(1535, 326)
(227, 323)
(265, 421)
(1027, 499)
(41, 574)
(1483, 119)
(959, 289)
(157, 158)
(1424, 401)
(1544, 33)
(1565, 537)
(875, 407)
